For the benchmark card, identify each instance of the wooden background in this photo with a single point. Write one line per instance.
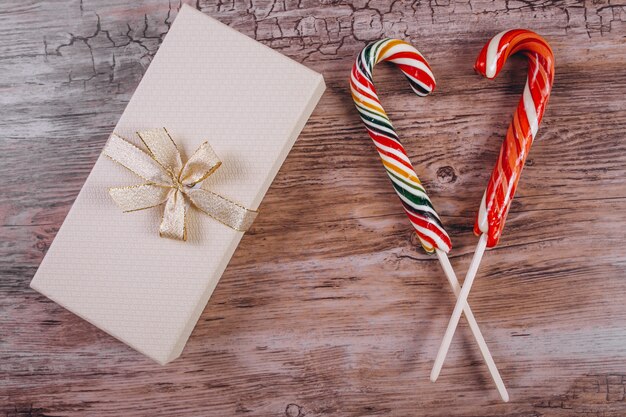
(329, 307)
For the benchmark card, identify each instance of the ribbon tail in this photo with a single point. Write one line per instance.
(223, 210)
(139, 197)
(173, 223)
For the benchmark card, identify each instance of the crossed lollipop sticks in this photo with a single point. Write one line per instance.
(400, 171)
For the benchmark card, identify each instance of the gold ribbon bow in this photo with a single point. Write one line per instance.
(171, 182)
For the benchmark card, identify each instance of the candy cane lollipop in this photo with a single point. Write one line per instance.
(522, 130)
(416, 203)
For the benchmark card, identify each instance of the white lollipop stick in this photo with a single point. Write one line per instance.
(520, 136)
(394, 157)
(473, 325)
(461, 302)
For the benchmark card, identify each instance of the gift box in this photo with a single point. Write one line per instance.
(218, 94)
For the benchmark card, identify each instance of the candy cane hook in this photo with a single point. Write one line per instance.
(416, 203)
(497, 199)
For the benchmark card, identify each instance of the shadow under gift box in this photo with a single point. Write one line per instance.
(207, 82)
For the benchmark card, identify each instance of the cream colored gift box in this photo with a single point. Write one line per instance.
(206, 83)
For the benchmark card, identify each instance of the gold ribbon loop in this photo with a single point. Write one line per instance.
(162, 148)
(173, 183)
(136, 160)
(202, 163)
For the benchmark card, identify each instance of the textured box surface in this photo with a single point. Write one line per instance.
(207, 82)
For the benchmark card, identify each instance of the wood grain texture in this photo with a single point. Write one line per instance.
(329, 307)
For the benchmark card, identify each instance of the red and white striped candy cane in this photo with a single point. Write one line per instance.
(523, 128)
(520, 135)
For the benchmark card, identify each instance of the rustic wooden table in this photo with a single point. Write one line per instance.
(329, 307)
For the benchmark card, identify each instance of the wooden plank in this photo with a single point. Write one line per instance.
(329, 307)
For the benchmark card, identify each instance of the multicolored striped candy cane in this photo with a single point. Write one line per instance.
(416, 203)
(497, 199)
